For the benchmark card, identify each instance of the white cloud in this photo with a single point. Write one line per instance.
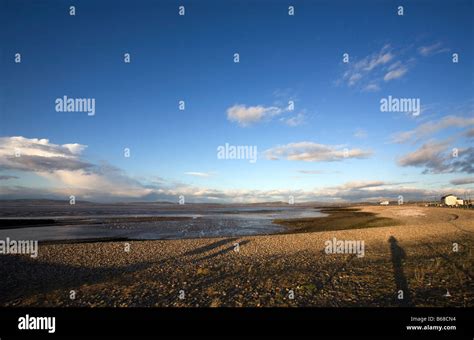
(38, 147)
(105, 183)
(437, 157)
(65, 170)
(245, 116)
(313, 152)
(39, 155)
(427, 154)
(75, 149)
(101, 182)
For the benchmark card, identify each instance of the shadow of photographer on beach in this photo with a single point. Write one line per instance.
(401, 282)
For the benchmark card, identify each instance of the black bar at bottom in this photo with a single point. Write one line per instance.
(229, 323)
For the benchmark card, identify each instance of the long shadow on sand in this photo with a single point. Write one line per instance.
(209, 247)
(23, 277)
(223, 251)
(398, 255)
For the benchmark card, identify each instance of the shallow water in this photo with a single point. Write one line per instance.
(211, 222)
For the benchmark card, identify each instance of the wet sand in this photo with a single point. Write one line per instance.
(414, 253)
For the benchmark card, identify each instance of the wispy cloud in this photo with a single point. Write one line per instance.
(246, 116)
(430, 128)
(371, 62)
(396, 73)
(362, 184)
(314, 152)
(371, 88)
(433, 49)
(370, 72)
(470, 133)
(463, 181)
(296, 120)
(7, 177)
(360, 133)
(199, 174)
(311, 172)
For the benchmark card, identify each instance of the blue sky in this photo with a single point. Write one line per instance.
(282, 58)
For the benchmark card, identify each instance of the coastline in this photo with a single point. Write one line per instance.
(336, 219)
(415, 254)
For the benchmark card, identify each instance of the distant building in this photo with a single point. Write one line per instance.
(459, 202)
(450, 200)
(384, 203)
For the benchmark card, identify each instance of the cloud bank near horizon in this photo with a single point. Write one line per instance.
(67, 173)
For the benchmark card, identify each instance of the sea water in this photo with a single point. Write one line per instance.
(213, 222)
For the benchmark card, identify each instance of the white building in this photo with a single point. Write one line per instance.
(450, 200)
(384, 203)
